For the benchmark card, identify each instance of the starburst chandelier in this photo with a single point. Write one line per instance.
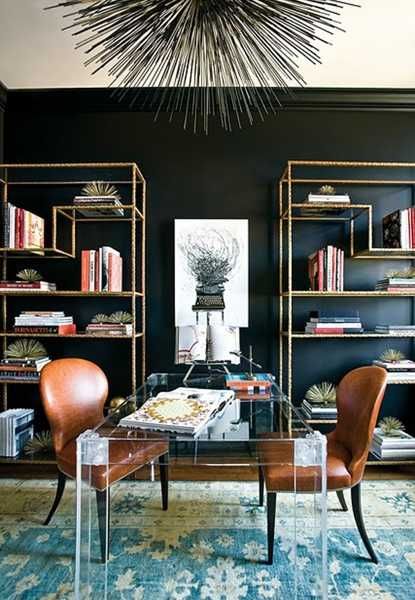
(228, 58)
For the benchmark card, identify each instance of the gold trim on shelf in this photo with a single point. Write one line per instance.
(289, 212)
(372, 334)
(347, 294)
(132, 177)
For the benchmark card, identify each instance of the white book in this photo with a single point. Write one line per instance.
(106, 251)
(329, 269)
(184, 410)
(404, 214)
(341, 325)
(328, 199)
(400, 364)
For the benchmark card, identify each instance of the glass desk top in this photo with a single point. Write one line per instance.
(229, 437)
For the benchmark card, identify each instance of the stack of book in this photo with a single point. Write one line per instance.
(326, 270)
(16, 428)
(329, 198)
(110, 209)
(325, 322)
(110, 329)
(399, 229)
(27, 286)
(44, 321)
(398, 371)
(398, 446)
(22, 228)
(326, 412)
(22, 369)
(101, 270)
(396, 284)
(398, 330)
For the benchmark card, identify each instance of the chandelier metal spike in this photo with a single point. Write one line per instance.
(229, 58)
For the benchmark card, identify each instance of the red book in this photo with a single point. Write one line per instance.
(412, 215)
(85, 270)
(400, 289)
(64, 329)
(312, 270)
(320, 270)
(334, 270)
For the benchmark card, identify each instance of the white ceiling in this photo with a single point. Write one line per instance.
(377, 50)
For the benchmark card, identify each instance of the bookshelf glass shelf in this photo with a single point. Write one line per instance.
(74, 212)
(73, 293)
(35, 253)
(368, 334)
(81, 335)
(347, 294)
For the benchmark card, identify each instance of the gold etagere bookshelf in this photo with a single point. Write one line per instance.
(58, 176)
(300, 177)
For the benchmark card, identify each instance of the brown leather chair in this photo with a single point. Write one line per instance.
(359, 397)
(73, 393)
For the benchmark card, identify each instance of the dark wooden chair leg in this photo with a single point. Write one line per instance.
(103, 522)
(357, 512)
(261, 485)
(164, 480)
(271, 506)
(342, 500)
(58, 497)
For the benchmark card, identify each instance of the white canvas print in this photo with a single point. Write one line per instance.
(211, 272)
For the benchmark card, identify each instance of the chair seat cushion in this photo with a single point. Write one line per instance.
(125, 457)
(281, 475)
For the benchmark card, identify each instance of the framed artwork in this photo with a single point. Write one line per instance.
(211, 272)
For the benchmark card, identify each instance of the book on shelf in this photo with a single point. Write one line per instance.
(184, 410)
(396, 284)
(396, 329)
(397, 446)
(22, 369)
(28, 318)
(329, 198)
(319, 411)
(111, 209)
(101, 270)
(326, 269)
(64, 329)
(43, 286)
(334, 322)
(16, 429)
(109, 329)
(399, 366)
(22, 228)
(399, 229)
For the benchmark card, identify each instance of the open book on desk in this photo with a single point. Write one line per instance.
(184, 410)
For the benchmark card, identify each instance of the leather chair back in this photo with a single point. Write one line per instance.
(73, 393)
(359, 398)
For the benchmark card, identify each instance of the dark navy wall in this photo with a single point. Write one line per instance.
(229, 176)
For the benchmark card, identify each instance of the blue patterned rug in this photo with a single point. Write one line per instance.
(210, 545)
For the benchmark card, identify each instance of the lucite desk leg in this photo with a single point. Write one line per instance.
(92, 542)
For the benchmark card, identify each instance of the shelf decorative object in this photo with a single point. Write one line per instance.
(41, 442)
(298, 177)
(26, 349)
(391, 426)
(322, 393)
(29, 275)
(62, 232)
(391, 355)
